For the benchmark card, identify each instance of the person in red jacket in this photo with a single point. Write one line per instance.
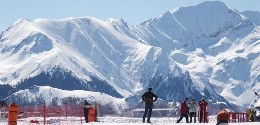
(203, 110)
(184, 111)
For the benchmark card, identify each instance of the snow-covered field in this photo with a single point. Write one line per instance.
(114, 121)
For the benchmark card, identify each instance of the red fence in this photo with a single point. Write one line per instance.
(44, 112)
(238, 117)
(233, 117)
(67, 110)
(51, 111)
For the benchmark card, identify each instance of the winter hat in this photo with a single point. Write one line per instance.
(222, 116)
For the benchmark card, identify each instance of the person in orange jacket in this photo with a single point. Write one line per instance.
(203, 110)
(184, 111)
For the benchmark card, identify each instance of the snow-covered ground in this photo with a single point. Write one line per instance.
(114, 121)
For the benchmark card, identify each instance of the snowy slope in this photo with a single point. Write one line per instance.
(207, 50)
(89, 57)
(38, 94)
(201, 39)
(118, 121)
(89, 49)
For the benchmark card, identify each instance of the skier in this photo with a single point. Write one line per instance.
(257, 94)
(203, 110)
(86, 108)
(184, 111)
(192, 110)
(148, 97)
(222, 117)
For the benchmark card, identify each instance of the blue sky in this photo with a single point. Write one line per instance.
(132, 11)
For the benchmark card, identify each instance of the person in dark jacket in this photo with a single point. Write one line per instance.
(184, 111)
(148, 97)
(86, 108)
(203, 110)
(253, 116)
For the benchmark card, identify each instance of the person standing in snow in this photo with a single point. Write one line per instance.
(86, 108)
(257, 94)
(203, 110)
(192, 110)
(253, 116)
(148, 97)
(184, 111)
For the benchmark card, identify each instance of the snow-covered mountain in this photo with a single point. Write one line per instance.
(204, 51)
(253, 16)
(214, 43)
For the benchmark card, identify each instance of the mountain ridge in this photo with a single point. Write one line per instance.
(131, 58)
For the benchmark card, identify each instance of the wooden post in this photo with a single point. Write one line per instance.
(44, 113)
(13, 114)
(66, 110)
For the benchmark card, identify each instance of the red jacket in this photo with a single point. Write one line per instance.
(203, 106)
(184, 107)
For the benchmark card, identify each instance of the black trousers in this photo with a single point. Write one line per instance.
(183, 115)
(193, 114)
(202, 117)
(148, 109)
(86, 115)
